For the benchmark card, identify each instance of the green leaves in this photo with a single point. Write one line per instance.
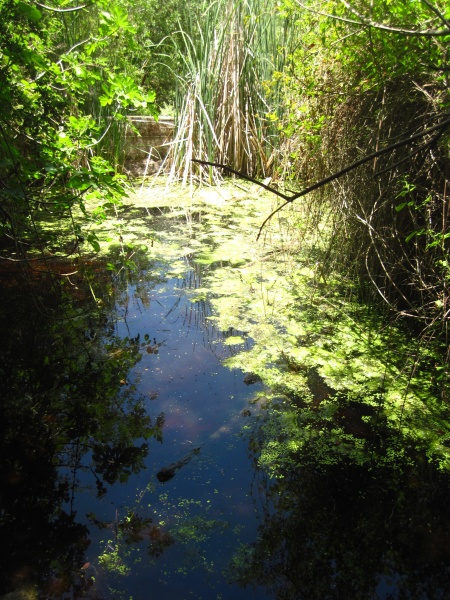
(93, 241)
(29, 11)
(121, 91)
(81, 180)
(114, 20)
(65, 94)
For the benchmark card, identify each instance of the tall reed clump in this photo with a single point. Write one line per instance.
(225, 111)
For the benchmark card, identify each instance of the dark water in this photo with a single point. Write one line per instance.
(208, 506)
(94, 404)
(99, 396)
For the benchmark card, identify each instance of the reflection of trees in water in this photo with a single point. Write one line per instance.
(67, 410)
(199, 313)
(136, 278)
(342, 530)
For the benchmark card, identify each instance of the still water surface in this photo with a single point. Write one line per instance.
(209, 507)
(83, 512)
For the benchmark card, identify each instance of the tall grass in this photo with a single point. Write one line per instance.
(226, 108)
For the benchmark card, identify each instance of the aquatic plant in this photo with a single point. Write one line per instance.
(223, 110)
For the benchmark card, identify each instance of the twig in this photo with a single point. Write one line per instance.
(363, 22)
(438, 127)
(437, 12)
(62, 10)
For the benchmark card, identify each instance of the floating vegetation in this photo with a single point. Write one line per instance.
(309, 333)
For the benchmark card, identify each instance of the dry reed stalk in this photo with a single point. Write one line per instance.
(226, 60)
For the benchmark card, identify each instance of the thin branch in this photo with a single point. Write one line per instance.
(437, 12)
(330, 16)
(443, 125)
(62, 10)
(243, 176)
(438, 127)
(401, 30)
(425, 146)
(362, 22)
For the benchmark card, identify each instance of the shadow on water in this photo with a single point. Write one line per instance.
(340, 530)
(133, 462)
(62, 402)
(97, 398)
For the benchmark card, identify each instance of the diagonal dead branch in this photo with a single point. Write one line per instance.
(440, 127)
(243, 176)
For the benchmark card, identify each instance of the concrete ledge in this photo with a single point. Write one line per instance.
(145, 152)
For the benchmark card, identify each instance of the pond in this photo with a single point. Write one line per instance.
(193, 414)
(206, 508)
(111, 398)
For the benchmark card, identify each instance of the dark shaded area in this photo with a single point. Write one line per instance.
(66, 409)
(335, 529)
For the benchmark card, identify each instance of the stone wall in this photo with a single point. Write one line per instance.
(145, 152)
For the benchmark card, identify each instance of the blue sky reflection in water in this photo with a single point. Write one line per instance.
(200, 517)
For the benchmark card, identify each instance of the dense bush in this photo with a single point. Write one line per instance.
(362, 79)
(64, 95)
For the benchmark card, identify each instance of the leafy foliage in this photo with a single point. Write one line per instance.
(62, 94)
(360, 80)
